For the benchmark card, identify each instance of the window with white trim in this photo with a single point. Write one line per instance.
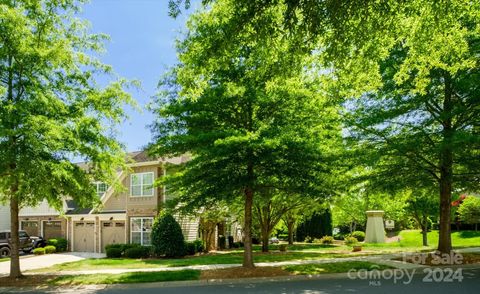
(101, 188)
(141, 230)
(141, 184)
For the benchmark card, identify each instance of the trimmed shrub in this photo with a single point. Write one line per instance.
(138, 252)
(198, 246)
(339, 236)
(308, 239)
(326, 240)
(190, 248)
(350, 240)
(167, 236)
(39, 251)
(60, 244)
(50, 249)
(359, 235)
(230, 241)
(113, 252)
(283, 247)
(121, 247)
(222, 242)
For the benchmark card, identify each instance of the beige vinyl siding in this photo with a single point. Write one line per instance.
(189, 227)
(41, 209)
(4, 218)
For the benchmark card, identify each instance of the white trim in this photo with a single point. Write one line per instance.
(131, 231)
(145, 163)
(73, 236)
(141, 184)
(95, 235)
(164, 188)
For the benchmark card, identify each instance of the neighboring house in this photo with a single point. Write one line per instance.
(124, 217)
(4, 217)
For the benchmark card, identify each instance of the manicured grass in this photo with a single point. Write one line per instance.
(127, 278)
(222, 258)
(337, 267)
(413, 238)
(4, 259)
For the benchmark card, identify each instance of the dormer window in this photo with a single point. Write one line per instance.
(141, 184)
(101, 188)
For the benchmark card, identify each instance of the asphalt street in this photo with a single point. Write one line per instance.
(467, 282)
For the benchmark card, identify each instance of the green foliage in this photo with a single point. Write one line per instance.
(189, 248)
(60, 244)
(350, 241)
(317, 226)
(327, 240)
(52, 108)
(50, 249)
(199, 246)
(469, 210)
(138, 252)
(251, 115)
(113, 252)
(222, 242)
(308, 239)
(39, 251)
(167, 236)
(283, 247)
(359, 235)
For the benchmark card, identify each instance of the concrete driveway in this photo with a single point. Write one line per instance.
(32, 262)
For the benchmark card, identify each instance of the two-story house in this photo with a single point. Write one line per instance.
(124, 217)
(4, 217)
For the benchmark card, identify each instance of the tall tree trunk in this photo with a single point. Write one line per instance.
(446, 171)
(265, 235)
(247, 253)
(14, 239)
(290, 225)
(425, 232)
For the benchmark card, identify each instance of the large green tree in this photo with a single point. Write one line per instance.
(251, 114)
(415, 65)
(51, 110)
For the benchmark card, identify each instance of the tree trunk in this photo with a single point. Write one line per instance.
(265, 236)
(14, 228)
(424, 232)
(446, 172)
(290, 225)
(247, 253)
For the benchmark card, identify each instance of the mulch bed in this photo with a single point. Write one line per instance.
(25, 281)
(430, 260)
(239, 272)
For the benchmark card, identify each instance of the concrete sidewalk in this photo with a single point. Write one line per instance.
(32, 262)
(378, 259)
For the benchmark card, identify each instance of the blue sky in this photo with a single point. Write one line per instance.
(141, 47)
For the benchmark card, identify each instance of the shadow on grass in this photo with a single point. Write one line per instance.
(469, 234)
(127, 278)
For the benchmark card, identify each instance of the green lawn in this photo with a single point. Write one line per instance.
(410, 240)
(126, 278)
(337, 267)
(413, 238)
(221, 258)
(4, 259)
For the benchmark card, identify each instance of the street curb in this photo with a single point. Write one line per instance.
(63, 289)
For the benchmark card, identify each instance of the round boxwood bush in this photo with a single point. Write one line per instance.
(60, 244)
(138, 252)
(350, 241)
(190, 248)
(326, 240)
(50, 249)
(167, 236)
(114, 252)
(39, 251)
(359, 235)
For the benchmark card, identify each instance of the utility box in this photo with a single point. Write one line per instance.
(375, 232)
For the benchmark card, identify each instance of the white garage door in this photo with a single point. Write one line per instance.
(113, 232)
(84, 235)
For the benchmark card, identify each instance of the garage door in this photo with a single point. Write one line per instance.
(52, 229)
(83, 237)
(31, 227)
(112, 233)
